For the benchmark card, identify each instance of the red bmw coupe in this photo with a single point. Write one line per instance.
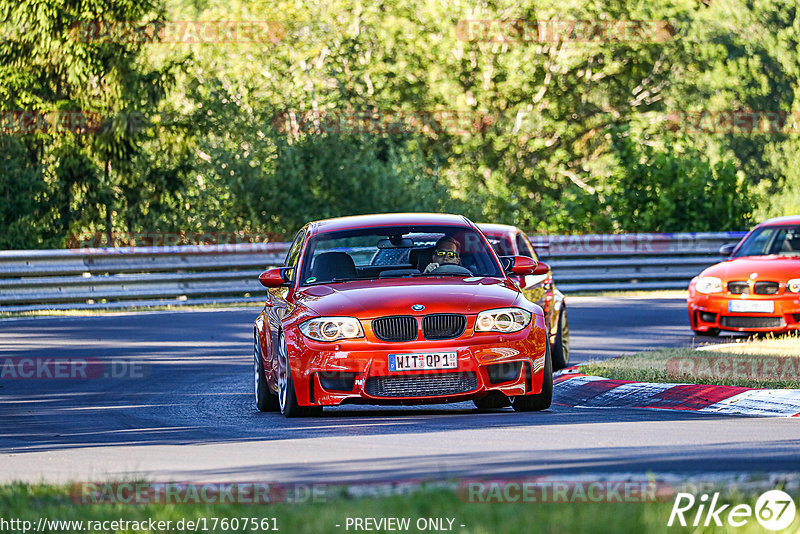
(399, 309)
(757, 289)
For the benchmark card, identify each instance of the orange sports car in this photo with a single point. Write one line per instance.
(757, 289)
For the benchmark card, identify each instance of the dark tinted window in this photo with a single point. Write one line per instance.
(502, 245)
(525, 248)
(780, 240)
(355, 254)
(294, 253)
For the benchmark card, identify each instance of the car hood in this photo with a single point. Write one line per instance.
(367, 299)
(773, 268)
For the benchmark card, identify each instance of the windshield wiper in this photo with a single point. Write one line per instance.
(444, 274)
(334, 280)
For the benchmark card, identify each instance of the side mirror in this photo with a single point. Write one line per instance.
(727, 249)
(521, 265)
(272, 277)
(542, 268)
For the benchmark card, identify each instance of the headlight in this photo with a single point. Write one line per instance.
(708, 284)
(793, 285)
(502, 320)
(332, 328)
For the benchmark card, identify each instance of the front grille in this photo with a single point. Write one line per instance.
(765, 288)
(397, 328)
(432, 385)
(739, 288)
(753, 322)
(443, 326)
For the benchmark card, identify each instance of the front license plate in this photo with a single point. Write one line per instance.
(416, 362)
(751, 306)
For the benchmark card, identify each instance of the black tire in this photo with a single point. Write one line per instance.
(538, 401)
(711, 332)
(561, 346)
(266, 400)
(492, 401)
(287, 396)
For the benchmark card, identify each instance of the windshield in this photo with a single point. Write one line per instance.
(780, 240)
(396, 252)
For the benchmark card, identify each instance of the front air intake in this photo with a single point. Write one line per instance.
(431, 385)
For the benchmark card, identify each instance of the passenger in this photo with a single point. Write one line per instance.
(446, 252)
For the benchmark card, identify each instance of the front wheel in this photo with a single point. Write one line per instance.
(266, 400)
(561, 346)
(287, 396)
(539, 401)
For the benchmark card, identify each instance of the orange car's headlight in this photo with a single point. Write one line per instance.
(793, 285)
(708, 284)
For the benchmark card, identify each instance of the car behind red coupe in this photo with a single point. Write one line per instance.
(399, 309)
(541, 289)
(757, 289)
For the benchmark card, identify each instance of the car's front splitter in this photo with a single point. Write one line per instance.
(323, 375)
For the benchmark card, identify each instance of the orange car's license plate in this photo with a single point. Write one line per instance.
(417, 362)
(751, 306)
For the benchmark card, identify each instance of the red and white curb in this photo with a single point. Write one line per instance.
(584, 391)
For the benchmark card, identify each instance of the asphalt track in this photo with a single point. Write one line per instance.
(183, 410)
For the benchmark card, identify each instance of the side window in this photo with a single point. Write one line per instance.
(525, 248)
(294, 253)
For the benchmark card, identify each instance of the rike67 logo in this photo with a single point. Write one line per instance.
(774, 510)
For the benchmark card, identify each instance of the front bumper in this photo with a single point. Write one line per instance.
(357, 371)
(707, 312)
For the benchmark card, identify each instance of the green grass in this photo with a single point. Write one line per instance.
(755, 362)
(32, 502)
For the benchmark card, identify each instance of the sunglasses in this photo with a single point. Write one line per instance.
(446, 254)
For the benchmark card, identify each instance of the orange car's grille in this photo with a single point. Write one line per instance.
(738, 288)
(443, 325)
(765, 288)
(397, 328)
(759, 288)
(434, 385)
(753, 322)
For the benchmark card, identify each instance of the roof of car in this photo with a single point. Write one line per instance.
(788, 219)
(497, 229)
(389, 219)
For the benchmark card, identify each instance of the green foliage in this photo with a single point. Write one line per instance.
(673, 188)
(560, 136)
(21, 197)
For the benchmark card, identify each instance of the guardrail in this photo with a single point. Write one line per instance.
(200, 274)
(628, 262)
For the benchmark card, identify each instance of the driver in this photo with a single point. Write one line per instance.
(446, 252)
